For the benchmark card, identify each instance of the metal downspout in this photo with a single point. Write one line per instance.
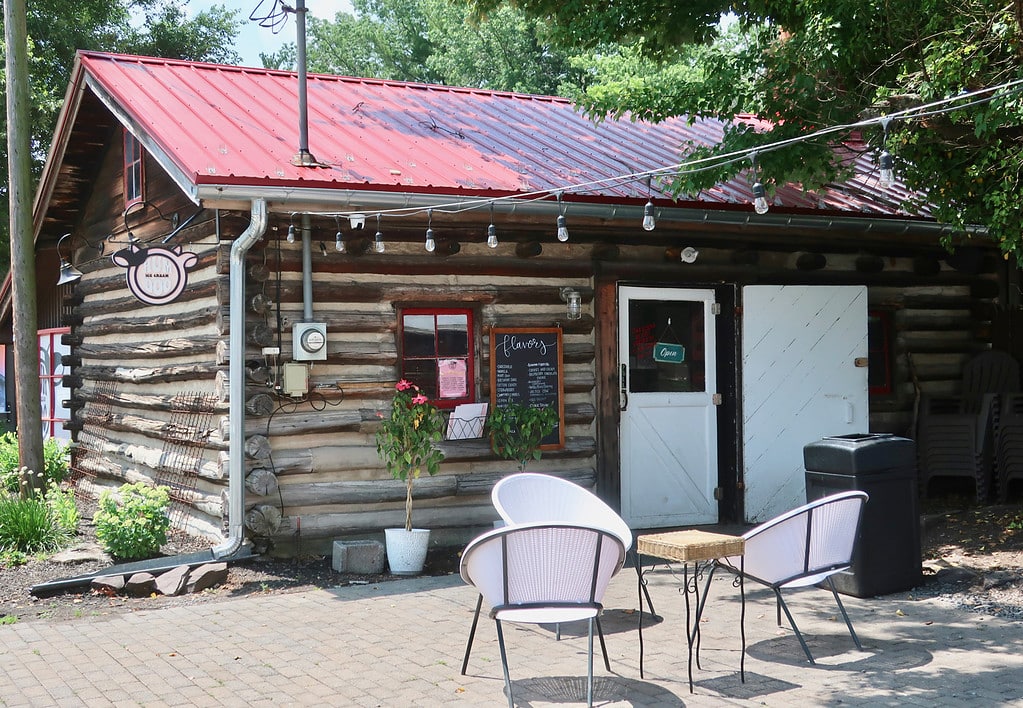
(236, 385)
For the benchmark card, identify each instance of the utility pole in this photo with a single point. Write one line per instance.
(23, 262)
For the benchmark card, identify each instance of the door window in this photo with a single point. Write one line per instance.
(666, 347)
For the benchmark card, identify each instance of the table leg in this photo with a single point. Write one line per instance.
(690, 631)
(640, 584)
(742, 618)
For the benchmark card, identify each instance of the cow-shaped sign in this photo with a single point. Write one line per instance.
(156, 276)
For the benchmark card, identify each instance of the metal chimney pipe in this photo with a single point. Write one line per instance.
(304, 157)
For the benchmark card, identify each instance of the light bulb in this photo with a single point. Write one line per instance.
(431, 245)
(378, 242)
(760, 204)
(291, 233)
(886, 173)
(648, 217)
(492, 236)
(562, 229)
(339, 242)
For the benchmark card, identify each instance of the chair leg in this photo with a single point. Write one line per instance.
(589, 666)
(845, 615)
(792, 622)
(603, 647)
(472, 633)
(504, 664)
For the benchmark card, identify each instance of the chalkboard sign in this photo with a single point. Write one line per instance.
(526, 366)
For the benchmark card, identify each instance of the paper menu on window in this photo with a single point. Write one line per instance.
(452, 381)
(467, 421)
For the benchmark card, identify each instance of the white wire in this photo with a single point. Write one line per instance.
(711, 162)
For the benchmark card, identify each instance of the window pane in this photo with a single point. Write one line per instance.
(452, 335)
(418, 334)
(423, 373)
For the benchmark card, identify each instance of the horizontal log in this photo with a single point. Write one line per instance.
(136, 401)
(178, 346)
(374, 292)
(154, 374)
(359, 492)
(933, 319)
(339, 523)
(142, 326)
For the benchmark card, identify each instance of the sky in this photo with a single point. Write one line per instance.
(253, 39)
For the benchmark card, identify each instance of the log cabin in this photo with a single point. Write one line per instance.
(257, 273)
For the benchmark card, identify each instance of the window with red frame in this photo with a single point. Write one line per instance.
(437, 353)
(880, 354)
(134, 177)
(51, 373)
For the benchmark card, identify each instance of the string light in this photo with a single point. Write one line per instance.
(291, 233)
(760, 204)
(562, 228)
(886, 168)
(492, 230)
(339, 240)
(378, 238)
(648, 211)
(431, 245)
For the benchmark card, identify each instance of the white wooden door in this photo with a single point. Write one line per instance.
(804, 377)
(668, 379)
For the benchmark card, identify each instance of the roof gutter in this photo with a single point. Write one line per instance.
(321, 200)
(236, 382)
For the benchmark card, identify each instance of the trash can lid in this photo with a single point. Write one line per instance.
(858, 453)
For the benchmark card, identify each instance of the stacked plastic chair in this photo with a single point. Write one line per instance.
(1009, 443)
(956, 435)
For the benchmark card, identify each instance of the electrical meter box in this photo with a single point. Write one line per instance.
(309, 341)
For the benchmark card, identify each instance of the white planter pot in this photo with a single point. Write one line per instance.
(406, 550)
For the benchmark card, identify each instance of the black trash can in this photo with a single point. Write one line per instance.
(887, 555)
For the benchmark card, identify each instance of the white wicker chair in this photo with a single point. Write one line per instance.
(540, 574)
(802, 547)
(528, 497)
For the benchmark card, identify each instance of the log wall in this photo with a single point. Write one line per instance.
(148, 388)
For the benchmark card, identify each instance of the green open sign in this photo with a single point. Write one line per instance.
(669, 353)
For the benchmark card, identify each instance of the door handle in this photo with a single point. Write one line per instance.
(624, 386)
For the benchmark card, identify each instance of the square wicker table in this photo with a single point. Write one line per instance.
(699, 548)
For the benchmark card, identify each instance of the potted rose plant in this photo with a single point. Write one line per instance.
(405, 443)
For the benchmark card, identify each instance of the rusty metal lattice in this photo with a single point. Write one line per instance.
(185, 436)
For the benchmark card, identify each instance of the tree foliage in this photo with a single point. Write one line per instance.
(808, 64)
(56, 30)
(437, 41)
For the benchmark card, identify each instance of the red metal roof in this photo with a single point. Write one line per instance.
(239, 125)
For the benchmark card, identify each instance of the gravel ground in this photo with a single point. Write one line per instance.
(973, 558)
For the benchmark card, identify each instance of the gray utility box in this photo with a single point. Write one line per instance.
(887, 555)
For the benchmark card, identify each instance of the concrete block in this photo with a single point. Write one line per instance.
(359, 557)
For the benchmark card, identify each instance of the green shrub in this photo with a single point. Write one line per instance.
(30, 526)
(55, 461)
(132, 525)
(516, 430)
(63, 507)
